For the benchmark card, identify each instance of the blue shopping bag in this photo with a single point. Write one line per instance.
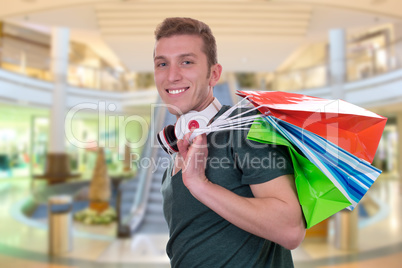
(351, 175)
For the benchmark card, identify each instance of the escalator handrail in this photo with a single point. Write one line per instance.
(138, 209)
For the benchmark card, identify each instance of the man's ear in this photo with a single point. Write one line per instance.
(216, 71)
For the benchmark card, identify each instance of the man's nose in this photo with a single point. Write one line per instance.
(174, 73)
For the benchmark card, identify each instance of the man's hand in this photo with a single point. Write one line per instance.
(194, 156)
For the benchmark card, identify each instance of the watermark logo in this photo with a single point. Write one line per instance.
(112, 130)
(106, 136)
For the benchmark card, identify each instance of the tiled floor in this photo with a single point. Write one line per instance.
(23, 241)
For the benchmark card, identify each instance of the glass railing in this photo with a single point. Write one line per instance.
(299, 79)
(25, 62)
(365, 64)
(106, 79)
(37, 64)
(362, 65)
(373, 61)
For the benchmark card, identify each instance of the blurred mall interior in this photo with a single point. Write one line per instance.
(78, 105)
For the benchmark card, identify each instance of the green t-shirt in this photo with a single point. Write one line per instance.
(201, 238)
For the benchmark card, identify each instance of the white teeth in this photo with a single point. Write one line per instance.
(176, 91)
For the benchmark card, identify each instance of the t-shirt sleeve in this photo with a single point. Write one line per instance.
(260, 162)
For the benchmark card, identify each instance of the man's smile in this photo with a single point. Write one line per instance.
(174, 91)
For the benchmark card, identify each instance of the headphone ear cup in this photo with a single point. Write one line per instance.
(171, 137)
(167, 140)
(162, 142)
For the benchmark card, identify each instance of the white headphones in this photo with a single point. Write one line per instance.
(169, 136)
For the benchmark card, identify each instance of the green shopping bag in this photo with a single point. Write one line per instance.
(318, 196)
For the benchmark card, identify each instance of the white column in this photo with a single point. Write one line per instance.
(337, 62)
(59, 64)
(399, 152)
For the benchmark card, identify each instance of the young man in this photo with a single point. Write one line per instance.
(223, 208)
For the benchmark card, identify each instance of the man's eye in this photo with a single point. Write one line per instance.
(163, 64)
(186, 62)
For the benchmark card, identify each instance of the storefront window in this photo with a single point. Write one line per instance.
(24, 139)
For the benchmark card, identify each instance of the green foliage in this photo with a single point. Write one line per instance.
(91, 217)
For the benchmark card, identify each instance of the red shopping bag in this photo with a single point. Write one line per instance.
(352, 128)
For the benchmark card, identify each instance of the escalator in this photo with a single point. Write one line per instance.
(139, 200)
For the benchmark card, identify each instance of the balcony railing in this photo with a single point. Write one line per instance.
(37, 64)
(366, 63)
(374, 61)
(299, 79)
(359, 65)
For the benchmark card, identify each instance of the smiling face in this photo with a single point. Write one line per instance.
(182, 76)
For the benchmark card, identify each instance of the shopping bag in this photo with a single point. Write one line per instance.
(318, 196)
(352, 128)
(328, 178)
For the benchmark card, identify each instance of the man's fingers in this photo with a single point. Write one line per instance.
(200, 144)
(184, 144)
(187, 148)
(181, 145)
(187, 137)
(200, 140)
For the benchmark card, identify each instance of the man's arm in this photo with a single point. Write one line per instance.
(274, 213)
